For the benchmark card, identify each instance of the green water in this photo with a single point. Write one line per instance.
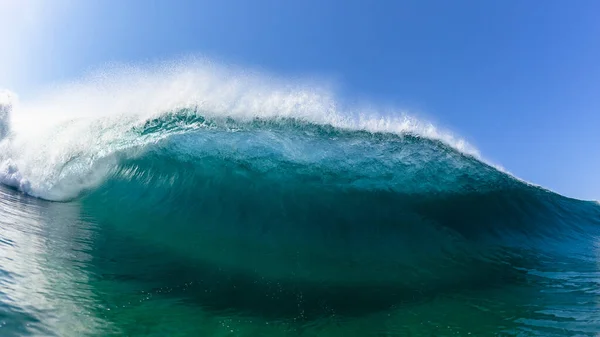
(62, 273)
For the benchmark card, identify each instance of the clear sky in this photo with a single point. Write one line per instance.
(520, 80)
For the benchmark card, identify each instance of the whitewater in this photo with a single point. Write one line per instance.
(190, 198)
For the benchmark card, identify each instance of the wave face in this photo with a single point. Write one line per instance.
(269, 186)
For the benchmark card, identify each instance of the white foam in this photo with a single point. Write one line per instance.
(7, 99)
(82, 122)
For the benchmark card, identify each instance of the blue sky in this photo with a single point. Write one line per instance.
(518, 79)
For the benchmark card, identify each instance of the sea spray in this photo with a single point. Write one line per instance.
(6, 104)
(64, 139)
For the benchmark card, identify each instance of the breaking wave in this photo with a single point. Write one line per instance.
(260, 178)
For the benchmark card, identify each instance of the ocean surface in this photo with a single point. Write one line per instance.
(197, 201)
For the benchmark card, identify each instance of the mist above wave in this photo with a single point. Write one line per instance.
(6, 102)
(67, 139)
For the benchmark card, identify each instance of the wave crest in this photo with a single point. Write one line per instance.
(60, 139)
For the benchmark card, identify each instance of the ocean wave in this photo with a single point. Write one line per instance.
(260, 185)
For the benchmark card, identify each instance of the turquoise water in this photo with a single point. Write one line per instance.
(195, 223)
